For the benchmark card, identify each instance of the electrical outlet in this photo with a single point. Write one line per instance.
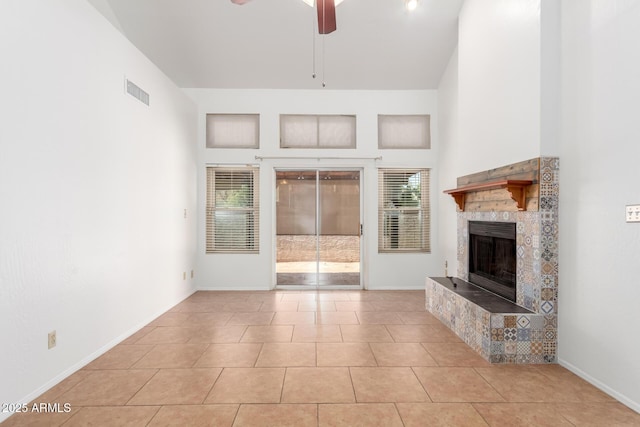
(184, 275)
(192, 274)
(52, 339)
(633, 213)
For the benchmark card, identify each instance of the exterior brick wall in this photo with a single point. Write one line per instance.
(292, 248)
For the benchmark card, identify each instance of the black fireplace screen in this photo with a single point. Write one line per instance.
(492, 257)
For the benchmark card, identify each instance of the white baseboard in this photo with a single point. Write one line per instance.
(90, 358)
(310, 288)
(233, 288)
(599, 384)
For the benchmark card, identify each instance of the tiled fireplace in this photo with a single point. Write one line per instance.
(501, 331)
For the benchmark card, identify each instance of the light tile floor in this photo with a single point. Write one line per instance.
(316, 358)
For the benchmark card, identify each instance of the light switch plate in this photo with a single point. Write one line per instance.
(633, 213)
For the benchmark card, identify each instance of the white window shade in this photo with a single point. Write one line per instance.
(403, 210)
(233, 130)
(317, 131)
(233, 210)
(337, 131)
(298, 131)
(404, 131)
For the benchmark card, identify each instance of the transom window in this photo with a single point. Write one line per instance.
(317, 131)
(404, 131)
(233, 130)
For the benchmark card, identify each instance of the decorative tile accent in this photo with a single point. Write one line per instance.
(510, 321)
(549, 347)
(547, 307)
(497, 321)
(524, 335)
(548, 281)
(510, 347)
(548, 294)
(536, 335)
(497, 348)
(510, 359)
(510, 334)
(523, 322)
(536, 347)
(523, 359)
(498, 358)
(550, 322)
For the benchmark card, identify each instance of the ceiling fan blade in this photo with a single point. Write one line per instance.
(326, 16)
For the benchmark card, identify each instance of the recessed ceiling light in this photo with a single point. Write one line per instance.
(411, 5)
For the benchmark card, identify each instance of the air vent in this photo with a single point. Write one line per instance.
(135, 91)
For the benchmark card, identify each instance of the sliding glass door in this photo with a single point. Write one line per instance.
(318, 227)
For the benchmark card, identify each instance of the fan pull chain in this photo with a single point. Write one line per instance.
(324, 26)
(323, 62)
(313, 43)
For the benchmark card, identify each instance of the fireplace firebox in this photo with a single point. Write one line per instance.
(492, 257)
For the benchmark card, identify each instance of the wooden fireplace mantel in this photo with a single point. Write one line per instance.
(516, 188)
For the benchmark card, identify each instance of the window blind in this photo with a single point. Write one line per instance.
(233, 210)
(403, 210)
(404, 131)
(317, 131)
(233, 131)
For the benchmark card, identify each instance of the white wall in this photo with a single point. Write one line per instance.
(499, 83)
(599, 286)
(93, 186)
(550, 77)
(448, 154)
(381, 271)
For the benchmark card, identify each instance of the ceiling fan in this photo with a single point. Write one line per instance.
(326, 13)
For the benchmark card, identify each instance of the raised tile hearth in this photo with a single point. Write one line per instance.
(499, 330)
(486, 301)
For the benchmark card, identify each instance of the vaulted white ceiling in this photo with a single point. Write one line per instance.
(269, 44)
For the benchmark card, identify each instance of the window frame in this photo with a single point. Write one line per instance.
(396, 124)
(320, 127)
(252, 237)
(237, 120)
(391, 208)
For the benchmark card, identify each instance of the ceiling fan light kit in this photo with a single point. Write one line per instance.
(411, 5)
